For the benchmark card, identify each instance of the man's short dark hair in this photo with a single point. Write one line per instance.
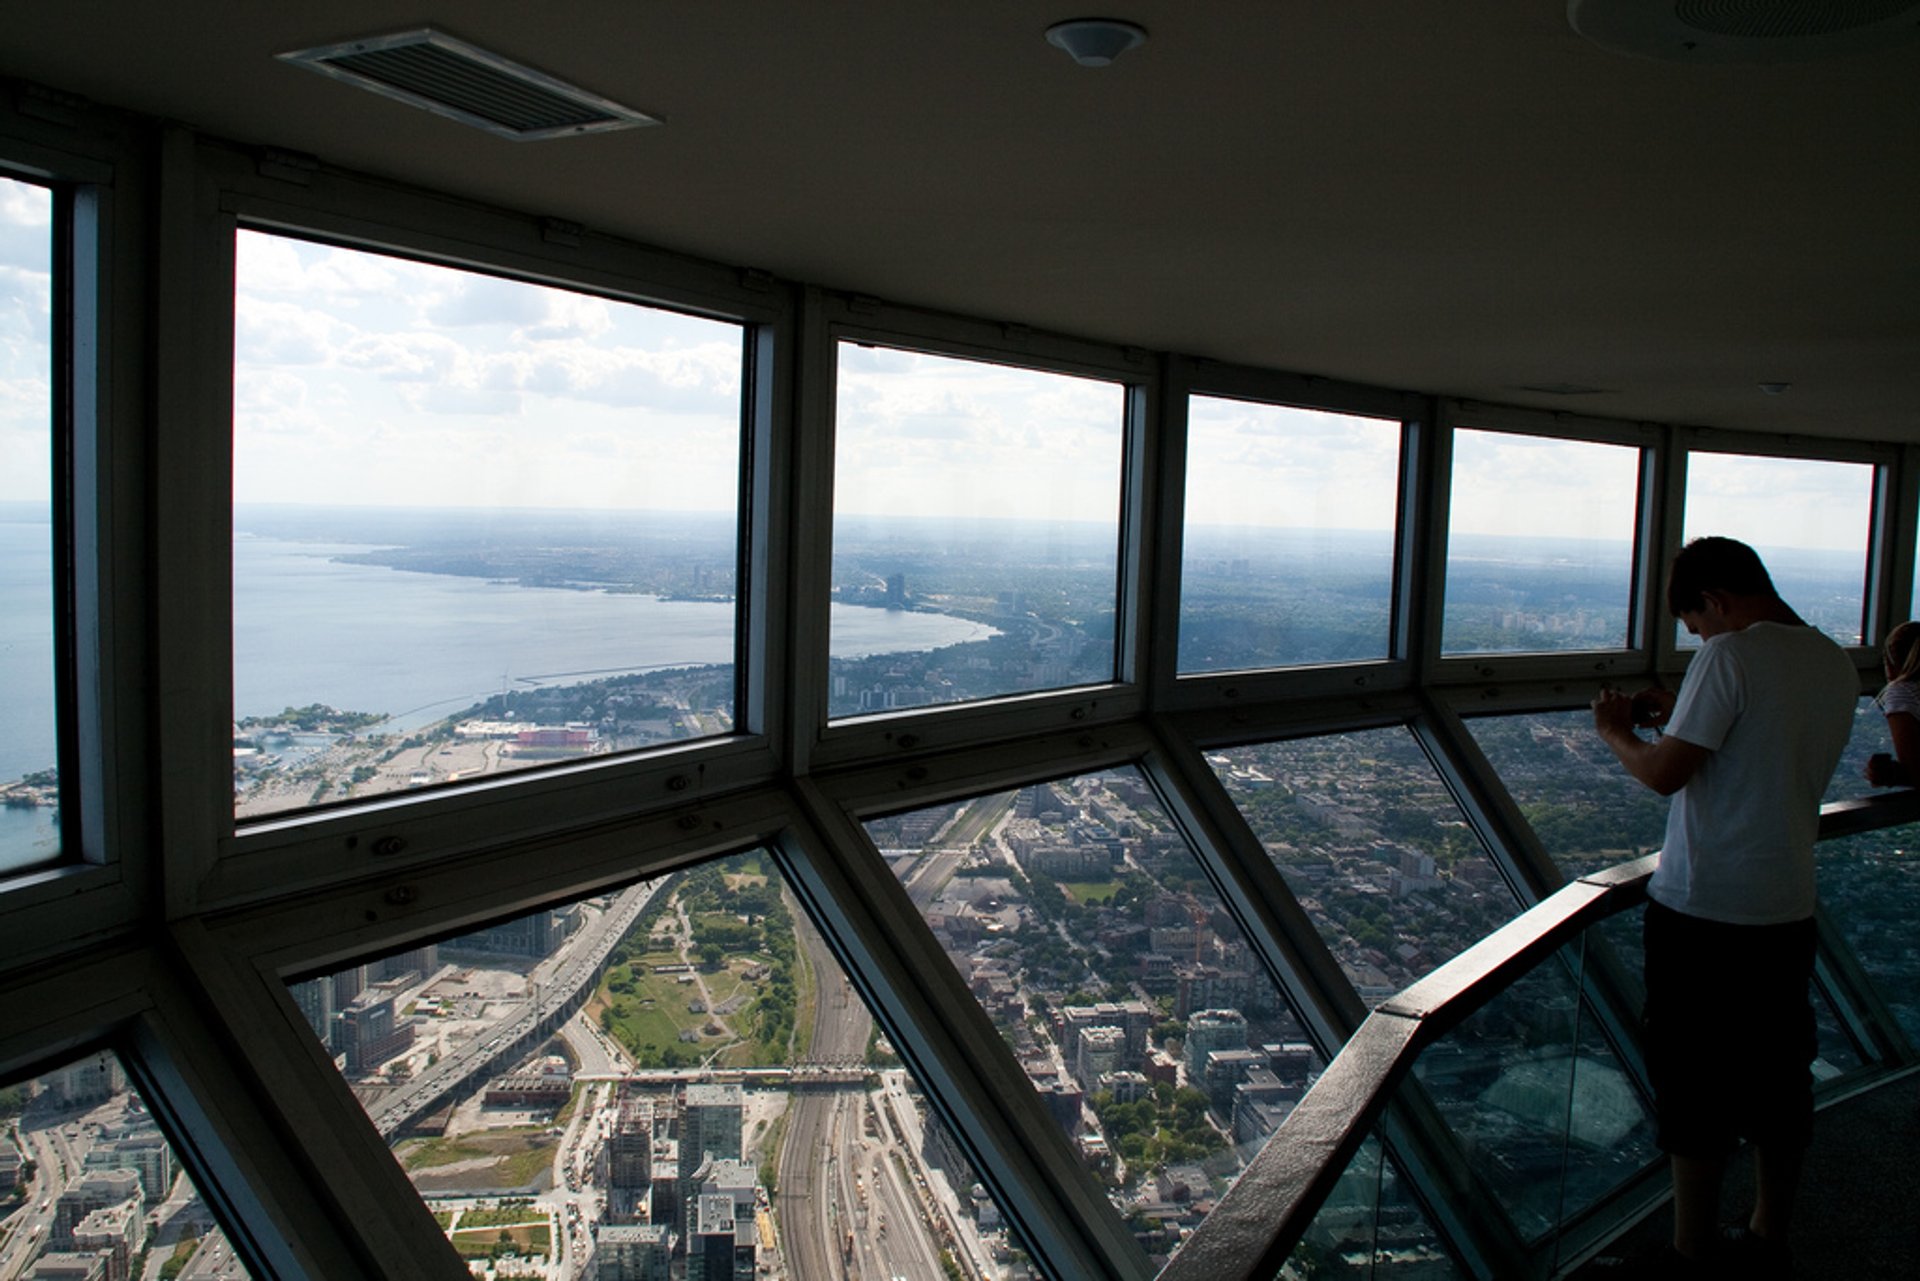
(1715, 564)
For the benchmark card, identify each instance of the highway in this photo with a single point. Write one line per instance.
(559, 984)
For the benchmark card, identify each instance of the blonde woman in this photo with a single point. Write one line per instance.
(1900, 701)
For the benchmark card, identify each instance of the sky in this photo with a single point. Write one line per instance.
(26, 348)
(361, 378)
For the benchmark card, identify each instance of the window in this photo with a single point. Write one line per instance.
(96, 1184)
(29, 773)
(1287, 556)
(1807, 518)
(1089, 933)
(479, 525)
(976, 530)
(1540, 544)
(1368, 839)
(666, 1072)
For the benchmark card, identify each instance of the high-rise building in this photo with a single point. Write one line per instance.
(710, 1125)
(1210, 1030)
(632, 1252)
(629, 1160)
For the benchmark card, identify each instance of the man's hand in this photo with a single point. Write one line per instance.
(1613, 714)
(1664, 765)
(1652, 706)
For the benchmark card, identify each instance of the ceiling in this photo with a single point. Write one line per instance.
(1458, 198)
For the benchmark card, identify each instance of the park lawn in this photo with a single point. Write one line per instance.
(520, 1155)
(444, 1218)
(503, 1216)
(529, 1240)
(1090, 892)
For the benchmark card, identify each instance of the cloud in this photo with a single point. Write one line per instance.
(407, 357)
(467, 300)
(284, 333)
(265, 263)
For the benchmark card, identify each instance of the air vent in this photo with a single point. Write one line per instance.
(1745, 30)
(452, 78)
(1565, 389)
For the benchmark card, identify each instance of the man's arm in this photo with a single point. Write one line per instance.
(1665, 764)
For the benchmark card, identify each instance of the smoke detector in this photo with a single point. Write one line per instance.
(449, 77)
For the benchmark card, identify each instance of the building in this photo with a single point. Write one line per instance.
(1208, 1031)
(710, 1117)
(1528, 238)
(632, 1252)
(370, 1034)
(721, 1244)
(92, 1080)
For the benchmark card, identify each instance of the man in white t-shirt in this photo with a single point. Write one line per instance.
(1746, 753)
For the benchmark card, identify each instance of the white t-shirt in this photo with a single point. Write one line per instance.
(1773, 704)
(1901, 696)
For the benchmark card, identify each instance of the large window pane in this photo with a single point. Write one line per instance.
(1369, 840)
(97, 1185)
(479, 525)
(1807, 518)
(1288, 547)
(1538, 1099)
(976, 518)
(1589, 814)
(663, 1076)
(1371, 1227)
(1539, 543)
(1089, 933)
(29, 795)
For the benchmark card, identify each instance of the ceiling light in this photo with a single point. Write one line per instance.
(433, 70)
(1095, 42)
(1745, 30)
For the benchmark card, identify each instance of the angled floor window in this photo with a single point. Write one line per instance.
(1083, 923)
(1809, 520)
(29, 764)
(674, 1072)
(1538, 1099)
(1589, 814)
(976, 530)
(1367, 837)
(1371, 1226)
(1539, 544)
(99, 1191)
(1287, 555)
(479, 524)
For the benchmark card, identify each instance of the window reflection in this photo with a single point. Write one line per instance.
(661, 1077)
(1369, 840)
(976, 530)
(1089, 933)
(1809, 520)
(1287, 554)
(479, 525)
(1539, 544)
(29, 754)
(98, 1191)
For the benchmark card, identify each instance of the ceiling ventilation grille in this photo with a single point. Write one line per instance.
(1750, 31)
(452, 78)
(1774, 20)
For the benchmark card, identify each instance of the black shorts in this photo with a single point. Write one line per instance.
(1729, 1032)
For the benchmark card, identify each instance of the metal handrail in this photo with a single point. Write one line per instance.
(1262, 1217)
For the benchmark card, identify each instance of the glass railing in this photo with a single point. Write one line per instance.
(1510, 1068)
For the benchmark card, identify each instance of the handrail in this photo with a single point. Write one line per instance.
(1262, 1217)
